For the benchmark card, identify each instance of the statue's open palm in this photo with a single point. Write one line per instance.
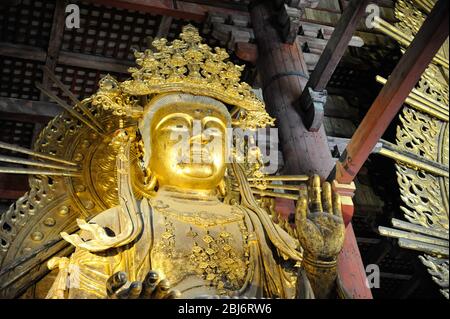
(318, 220)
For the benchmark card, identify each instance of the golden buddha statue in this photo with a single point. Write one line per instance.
(186, 223)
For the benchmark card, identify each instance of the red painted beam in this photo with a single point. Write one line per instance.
(405, 76)
(351, 269)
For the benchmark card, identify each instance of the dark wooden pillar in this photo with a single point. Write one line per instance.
(284, 75)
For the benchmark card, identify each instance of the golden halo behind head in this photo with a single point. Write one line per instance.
(187, 66)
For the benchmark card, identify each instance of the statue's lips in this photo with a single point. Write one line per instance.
(198, 170)
(201, 156)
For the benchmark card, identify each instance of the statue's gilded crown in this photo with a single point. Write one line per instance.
(189, 66)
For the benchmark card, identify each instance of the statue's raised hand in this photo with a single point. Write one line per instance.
(118, 287)
(318, 220)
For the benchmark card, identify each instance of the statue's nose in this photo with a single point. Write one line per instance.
(199, 139)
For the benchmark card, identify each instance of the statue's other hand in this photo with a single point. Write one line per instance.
(318, 219)
(118, 287)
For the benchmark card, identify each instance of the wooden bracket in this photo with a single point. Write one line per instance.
(311, 107)
(288, 20)
(229, 29)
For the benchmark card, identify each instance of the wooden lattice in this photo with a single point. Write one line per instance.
(18, 77)
(81, 82)
(110, 32)
(27, 22)
(15, 132)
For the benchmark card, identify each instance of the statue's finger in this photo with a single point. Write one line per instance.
(303, 191)
(337, 205)
(173, 294)
(315, 194)
(149, 285)
(301, 210)
(116, 282)
(162, 289)
(134, 291)
(327, 198)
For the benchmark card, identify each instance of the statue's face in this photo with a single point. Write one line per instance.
(188, 146)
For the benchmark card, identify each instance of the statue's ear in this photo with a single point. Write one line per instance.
(222, 187)
(144, 131)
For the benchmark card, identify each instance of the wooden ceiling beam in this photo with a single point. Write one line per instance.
(176, 9)
(25, 52)
(164, 27)
(27, 110)
(222, 4)
(94, 62)
(54, 42)
(66, 58)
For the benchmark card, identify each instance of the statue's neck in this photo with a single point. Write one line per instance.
(171, 192)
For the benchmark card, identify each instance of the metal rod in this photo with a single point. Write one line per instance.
(23, 150)
(287, 178)
(66, 107)
(17, 160)
(424, 5)
(401, 37)
(275, 186)
(424, 247)
(395, 233)
(422, 97)
(71, 96)
(48, 245)
(234, 111)
(439, 105)
(66, 251)
(398, 35)
(29, 171)
(426, 109)
(418, 96)
(418, 229)
(419, 164)
(275, 194)
(406, 40)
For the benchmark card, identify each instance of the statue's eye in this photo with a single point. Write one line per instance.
(179, 127)
(213, 128)
(213, 131)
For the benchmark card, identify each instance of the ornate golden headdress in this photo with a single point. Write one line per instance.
(184, 65)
